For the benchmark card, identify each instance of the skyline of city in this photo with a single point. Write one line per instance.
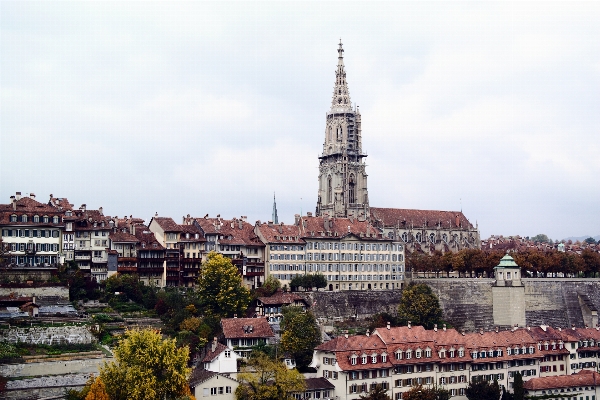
(195, 109)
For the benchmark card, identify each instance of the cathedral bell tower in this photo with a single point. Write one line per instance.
(342, 176)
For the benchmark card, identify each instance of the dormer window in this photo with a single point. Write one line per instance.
(428, 353)
(499, 352)
(399, 355)
(539, 346)
(46, 219)
(490, 353)
(36, 218)
(451, 353)
(13, 218)
(461, 352)
(508, 351)
(374, 358)
(55, 220)
(187, 235)
(442, 353)
(418, 353)
(23, 218)
(197, 236)
(546, 346)
(532, 350)
(364, 359)
(561, 345)
(384, 357)
(353, 360)
(474, 354)
(408, 354)
(68, 213)
(143, 245)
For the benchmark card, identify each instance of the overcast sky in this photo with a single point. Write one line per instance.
(195, 108)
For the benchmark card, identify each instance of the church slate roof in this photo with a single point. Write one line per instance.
(406, 218)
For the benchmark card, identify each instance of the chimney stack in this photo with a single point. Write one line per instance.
(309, 214)
(32, 195)
(444, 327)
(409, 324)
(18, 196)
(388, 325)
(435, 327)
(296, 219)
(101, 210)
(368, 334)
(497, 329)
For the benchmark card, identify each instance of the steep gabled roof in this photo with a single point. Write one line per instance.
(406, 218)
(246, 328)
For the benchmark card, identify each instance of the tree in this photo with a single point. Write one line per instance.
(220, 287)
(97, 391)
(541, 238)
(421, 392)
(420, 306)
(146, 367)
(319, 281)
(483, 390)
(377, 393)
(300, 334)
(519, 392)
(267, 379)
(271, 285)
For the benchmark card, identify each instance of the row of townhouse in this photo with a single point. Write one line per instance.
(400, 357)
(352, 254)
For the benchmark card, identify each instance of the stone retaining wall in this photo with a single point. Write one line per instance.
(51, 291)
(48, 335)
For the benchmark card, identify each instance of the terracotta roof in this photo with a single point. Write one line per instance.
(318, 383)
(353, 343)
(326, 228)
(405, 218)
(280, 233)
(403, 334)
(211, 355)
(235, 231)
(167, 224)
(147, 238)
(246, 328)
(122, 237)
(192, 230)
(30, 207)
(200, 375)
(582, 378)
(281, 298)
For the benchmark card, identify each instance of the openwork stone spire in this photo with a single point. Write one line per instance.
(341, 96)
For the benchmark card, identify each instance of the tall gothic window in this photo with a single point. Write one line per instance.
(329, 191)
(330, 136)
(351, 197)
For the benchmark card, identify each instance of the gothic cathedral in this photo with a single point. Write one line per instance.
(342, 175)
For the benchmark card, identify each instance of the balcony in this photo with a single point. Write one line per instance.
(254, 273)
(85, 257)
(99, 260)
(127, 269)
(127, 259)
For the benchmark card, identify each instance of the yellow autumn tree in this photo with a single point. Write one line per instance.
(220, 287)
(146, 367)
(97, 391)
(268, 379)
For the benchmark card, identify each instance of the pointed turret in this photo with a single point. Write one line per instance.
(341, 95)
(275, 218)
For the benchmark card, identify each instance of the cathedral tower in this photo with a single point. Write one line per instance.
(342, 176)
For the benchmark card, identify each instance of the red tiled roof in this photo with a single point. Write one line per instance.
(281, 298)
(167, 224)
(280, 233)
(211, 355)
(234, 231)
(122, 237)
(325, 227)
(30, 207)
(405, 218)
(582, 378)
(318, 383)
(238, 328)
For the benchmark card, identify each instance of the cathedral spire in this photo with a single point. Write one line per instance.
(341, 96)
(274, 216)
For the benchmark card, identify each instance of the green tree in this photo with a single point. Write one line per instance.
(319, 281)
(271, 285)
(541, 238)
(519, 392)
(483, 390)
(421, 392)
(377, 393)
(267, 379)
(220, 287)
(300, 334)
(146, 367)
(420, 306)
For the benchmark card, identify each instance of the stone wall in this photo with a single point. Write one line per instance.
(48, 335)
(49, 291)
(468, 303)
(85, 366)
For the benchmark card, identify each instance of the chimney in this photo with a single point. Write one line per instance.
(435, 327)
(214, 345)
(18, 196)
(244, 218)
(13, 200)
(388, 325)
(309, 214)
(573, 326)
(296, 219)
(368, 334)
(83, 207)
(462, 332)
(409, 324)
(346, 335)
(444, 327)
(481, 331)
(101, 210)
(32, 195)
(232, 224)
(240, 224)
(234, 315)
(528, 328)
(497, 329)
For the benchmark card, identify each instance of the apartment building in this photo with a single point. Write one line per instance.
(151, 257)
(235, 239)
(400, 357)
(32, 232)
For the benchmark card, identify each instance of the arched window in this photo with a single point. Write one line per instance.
(23, 218)
(418, 237)
(432, 237)
(329, 191)
(351, 192)
(405, 237)
(330, 134)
